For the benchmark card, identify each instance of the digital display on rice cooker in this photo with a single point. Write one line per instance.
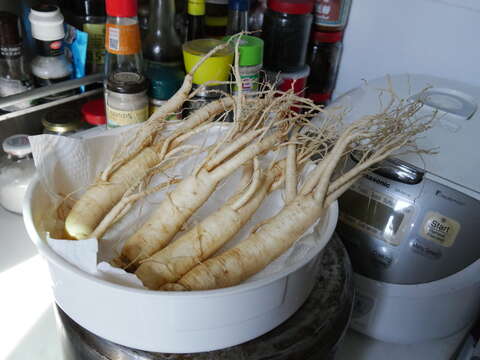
(372, 216)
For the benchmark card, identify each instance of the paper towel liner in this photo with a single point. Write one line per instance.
(67, 165)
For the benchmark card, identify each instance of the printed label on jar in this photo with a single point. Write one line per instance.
(96, 43)
(10, 52)
(332, 13)
(50, 48)
(440, 229)
(122, 39)
(117, 117)
(249, 83)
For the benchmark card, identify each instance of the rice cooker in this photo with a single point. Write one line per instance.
(410, 225)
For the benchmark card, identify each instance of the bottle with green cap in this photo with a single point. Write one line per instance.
(250, 62)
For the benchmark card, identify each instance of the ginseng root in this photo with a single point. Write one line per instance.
(205, 238)
(179, 205)
(101, 197)
(377, 137)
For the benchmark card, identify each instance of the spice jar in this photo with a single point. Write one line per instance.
(62, 122)
(250, 62)
(50, 66)
(324, 59)
(215, 68)
(16, 172)
(286, 30)
(126, 99)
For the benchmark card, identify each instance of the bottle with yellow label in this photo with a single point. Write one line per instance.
(89, 16)
(195, 19)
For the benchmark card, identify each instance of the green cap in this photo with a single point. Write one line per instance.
(251, 50)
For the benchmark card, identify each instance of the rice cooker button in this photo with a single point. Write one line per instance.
(424, 249)
(381, 257)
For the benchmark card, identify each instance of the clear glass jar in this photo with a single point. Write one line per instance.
(17, 169)
(126, 99)
(62, 122)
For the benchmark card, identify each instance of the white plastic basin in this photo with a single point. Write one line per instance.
(175, 322)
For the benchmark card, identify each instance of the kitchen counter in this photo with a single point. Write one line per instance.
(29, 329)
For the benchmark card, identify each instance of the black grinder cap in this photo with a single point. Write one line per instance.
(9, 29)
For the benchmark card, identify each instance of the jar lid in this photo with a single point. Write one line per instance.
(89, 8)
(196, 7)
(9, 29)
(17, 145)
(121, 8)
(215, 68)
(251, 50)
(94, 112)
(295, 7)
(126, 82)
(62, 120)
(327, 37)
(47, 22)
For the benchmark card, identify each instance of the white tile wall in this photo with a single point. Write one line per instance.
(437, 37)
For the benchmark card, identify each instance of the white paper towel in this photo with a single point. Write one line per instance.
(68, 165)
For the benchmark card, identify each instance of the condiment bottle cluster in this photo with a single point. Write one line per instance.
(144, 49)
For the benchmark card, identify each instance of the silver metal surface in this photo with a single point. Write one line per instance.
(436, 235)
(314, 332)
(42, 92)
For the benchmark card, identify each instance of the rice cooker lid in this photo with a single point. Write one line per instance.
(454, 135)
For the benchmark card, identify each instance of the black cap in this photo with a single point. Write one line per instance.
(45, 8)
(9, 29)
(89, 8)
(126, 82)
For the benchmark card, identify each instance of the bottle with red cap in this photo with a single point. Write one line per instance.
(324, 58)
(122, 38)
(286, 29)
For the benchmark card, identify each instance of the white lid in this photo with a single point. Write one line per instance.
(454, 135)
(17, 145)
(47, 23)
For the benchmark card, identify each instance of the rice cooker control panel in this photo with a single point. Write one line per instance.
(408, 230)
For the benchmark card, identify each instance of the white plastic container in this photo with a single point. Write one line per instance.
(408, 314)
(182, 322)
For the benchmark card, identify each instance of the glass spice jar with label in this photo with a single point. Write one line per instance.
(126, 99)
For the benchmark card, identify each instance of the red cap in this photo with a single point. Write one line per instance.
(319, 97)
(298, 7)
(94, 112)
(327, 37)
(121, 8)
